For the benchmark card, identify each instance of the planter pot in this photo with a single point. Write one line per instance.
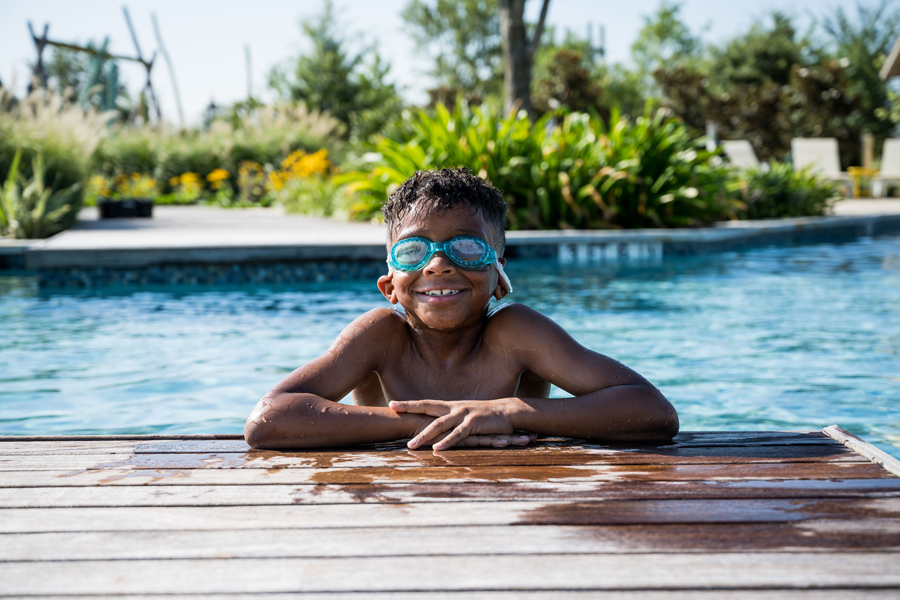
(129, 207)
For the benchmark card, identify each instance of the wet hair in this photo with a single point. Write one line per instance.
(441, 190)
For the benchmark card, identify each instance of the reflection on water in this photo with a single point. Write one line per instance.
(776, 338)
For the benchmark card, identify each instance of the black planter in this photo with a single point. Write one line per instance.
(131, 207)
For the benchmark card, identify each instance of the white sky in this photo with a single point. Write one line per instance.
(206, 38)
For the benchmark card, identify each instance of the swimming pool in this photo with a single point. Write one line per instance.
(775, 338)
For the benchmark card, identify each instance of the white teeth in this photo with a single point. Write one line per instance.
(441, 292)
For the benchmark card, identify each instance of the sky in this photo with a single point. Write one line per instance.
(206, 39)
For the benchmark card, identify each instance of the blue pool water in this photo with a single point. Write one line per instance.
(779, 338)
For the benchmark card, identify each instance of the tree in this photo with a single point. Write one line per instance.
(463, 39)
(350, 86)
(768, 86)
(518, 52)
(862, 47)
(664, 41)
(563, 77)
(764, 54)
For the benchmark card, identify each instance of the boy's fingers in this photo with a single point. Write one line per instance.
(434, 429)
(425, 407)
(453, 438)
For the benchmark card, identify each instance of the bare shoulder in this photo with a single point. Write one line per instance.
(381, 325)
(517, 325)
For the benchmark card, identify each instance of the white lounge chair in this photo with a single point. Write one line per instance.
(740, 154)
(823, 158)
(890, 167)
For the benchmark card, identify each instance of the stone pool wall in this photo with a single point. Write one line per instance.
(105, 267)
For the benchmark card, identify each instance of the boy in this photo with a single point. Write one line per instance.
(447, 372)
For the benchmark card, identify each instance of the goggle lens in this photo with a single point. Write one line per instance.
(466, 251)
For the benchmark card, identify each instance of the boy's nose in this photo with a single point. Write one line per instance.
(439, 263)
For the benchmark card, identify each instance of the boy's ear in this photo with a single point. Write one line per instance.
(386, 287)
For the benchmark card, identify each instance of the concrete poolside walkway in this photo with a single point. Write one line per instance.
(206, 226)
(213, 239)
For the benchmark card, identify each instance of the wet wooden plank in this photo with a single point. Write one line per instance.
(18, 446)
(412, 493)
(805, 536)
(449, 474)
(477, 572)
(506, 457)
(859, 445)
(23, 520)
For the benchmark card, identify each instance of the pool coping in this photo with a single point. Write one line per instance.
(351, 253)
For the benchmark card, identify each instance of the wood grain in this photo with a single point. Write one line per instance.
(475, 572)
(716, 515)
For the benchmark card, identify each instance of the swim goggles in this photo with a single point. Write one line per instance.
(467, 251)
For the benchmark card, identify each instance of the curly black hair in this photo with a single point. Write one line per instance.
(442, 190)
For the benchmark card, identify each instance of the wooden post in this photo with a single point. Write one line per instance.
(868, 149)
(38, 71)
(162, 50)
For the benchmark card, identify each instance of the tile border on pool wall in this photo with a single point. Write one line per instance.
(210, 274)
(81, 269)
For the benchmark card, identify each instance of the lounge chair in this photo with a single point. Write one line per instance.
(822, 157)
(740, 154)
(890, 167)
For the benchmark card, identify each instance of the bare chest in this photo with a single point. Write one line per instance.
(481, 377)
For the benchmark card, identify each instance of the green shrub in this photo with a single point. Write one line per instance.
(62, 134)
(31, 209)
(571, 173)
(784, 192)
(266, 136)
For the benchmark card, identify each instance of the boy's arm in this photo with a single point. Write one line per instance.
(302, 411)
(610, 402)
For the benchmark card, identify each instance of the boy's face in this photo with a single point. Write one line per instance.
(442, 295)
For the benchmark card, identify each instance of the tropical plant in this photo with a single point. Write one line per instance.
(780, 191)
(574, 173)
(31, 209)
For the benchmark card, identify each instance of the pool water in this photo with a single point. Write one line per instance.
(787, 338)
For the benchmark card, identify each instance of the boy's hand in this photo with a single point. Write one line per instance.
(496, 441)
(455, 421)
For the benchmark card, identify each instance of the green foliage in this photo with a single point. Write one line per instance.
(266, 135)
(663, 40)
(863, 46)
(351, 87)
(771, 84)
(761, 56)
(64, 135)
(782, 192)
(31, 209)
(463, 39)
(317, 196)
(563, 78)
(813, 103)
(576, 173)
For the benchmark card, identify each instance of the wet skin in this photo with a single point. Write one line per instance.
(450, 373)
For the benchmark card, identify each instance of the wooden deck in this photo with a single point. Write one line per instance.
(713, 516)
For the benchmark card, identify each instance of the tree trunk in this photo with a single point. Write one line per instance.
(518, 52)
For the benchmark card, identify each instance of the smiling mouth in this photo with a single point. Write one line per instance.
(441, 292)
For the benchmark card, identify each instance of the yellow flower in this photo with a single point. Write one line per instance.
(98, 186)
(217, 177)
